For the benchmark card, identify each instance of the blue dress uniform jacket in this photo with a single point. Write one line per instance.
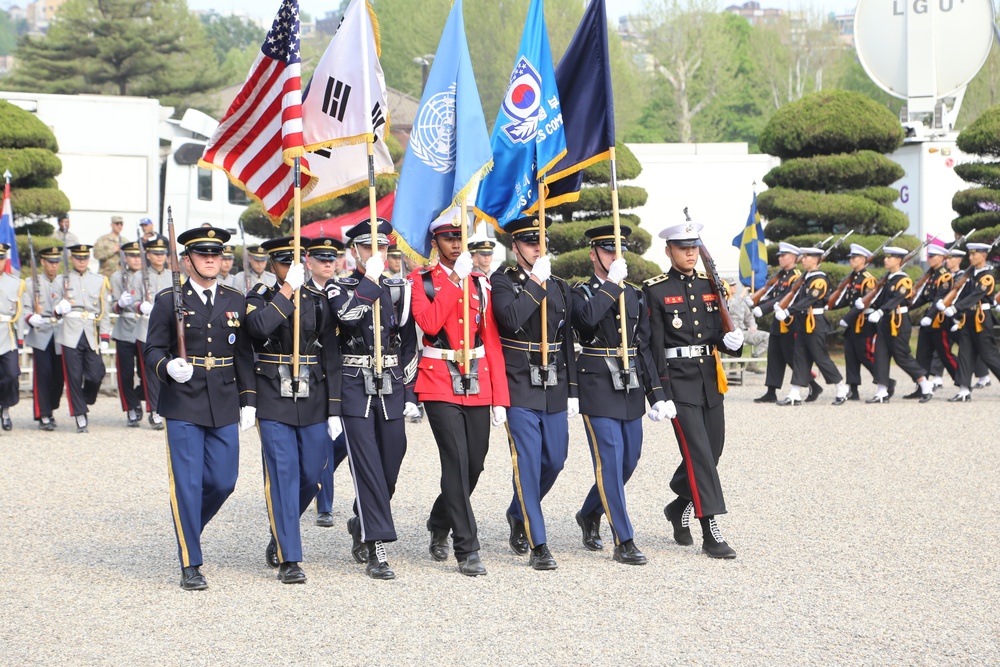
(781, 343)
(976, 341)
(597, 321)
(516, 306)
(811, 329)
(893, 338)
(859, 346)
(269, 322)
(684, 312)
(212, 397)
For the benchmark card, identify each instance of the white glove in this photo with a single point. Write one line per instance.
(954, 327)
(782, 315)
(842, 323)
(104, 346)
(542, 268)
(180, 370)
(757, 312)
(296, 276)
(499, 416)
(748, 300)
(618, 271)
(411, 411)
(939, 304)
(925, 322)
(572, 407)
(463, 266)
(859, 303)
(950, 311)
(733, 340)
(374, 266)
(248, 416)
(662, 410)
(35, 320)
(145, 308)
(63, 307)
(875, 316)
(125, 300)
(334, 426)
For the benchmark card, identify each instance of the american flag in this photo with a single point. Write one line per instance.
(262, 132)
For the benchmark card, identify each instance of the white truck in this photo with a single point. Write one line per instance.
(126, 156)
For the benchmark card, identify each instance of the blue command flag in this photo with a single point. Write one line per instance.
(753, 250)
(528, 137)
(449, 146)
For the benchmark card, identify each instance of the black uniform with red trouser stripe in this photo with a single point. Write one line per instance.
(684, 315)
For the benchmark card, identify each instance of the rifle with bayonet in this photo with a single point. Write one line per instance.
(246, 261)
(65, 267)
(919, 286)
(957, 288)
(36, 289)
(835, 297)
(867, 299)
(786, 300)
(175, 269)
(147, 289)
(716, 283)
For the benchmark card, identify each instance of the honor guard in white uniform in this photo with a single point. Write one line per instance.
(38, 306)
(11, 291)
(126, 292)
(85, 332)
(156, 277)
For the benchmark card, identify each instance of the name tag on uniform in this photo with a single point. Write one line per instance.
(709, 297)
(673, 299)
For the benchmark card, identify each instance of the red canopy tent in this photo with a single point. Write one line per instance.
(335, 227)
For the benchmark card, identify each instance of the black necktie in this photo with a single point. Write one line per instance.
(208, 298)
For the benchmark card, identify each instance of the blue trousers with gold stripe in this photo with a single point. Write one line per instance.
(293, 461)
(615, 446)
(203, 464)
(335, 453)
(539, 442)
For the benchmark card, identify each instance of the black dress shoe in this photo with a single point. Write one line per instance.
(291, 573)
(541, 559)
(472, 566)
(840, 400)
(156, 421)
(926, 397)
(518, 539)
(47, 425)
(439, 544)
(891, 388)
(790, 401)
(628, 554)
(814, 391)
(134, 421)
(913, 395)
(978, 385)
(378, 563)
(5, 419)
(853, 395)
(878, 399)
(358, 548)
(271, 553)
(591, 527)
(192, 579)
(680, 521)
(324, 520)
(960, 398)
(81, 423)
(769, 397)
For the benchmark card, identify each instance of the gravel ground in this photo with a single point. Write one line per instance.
(864, 537)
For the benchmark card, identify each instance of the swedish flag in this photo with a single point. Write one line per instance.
(753, 250)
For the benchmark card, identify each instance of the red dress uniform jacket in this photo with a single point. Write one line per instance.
(446, 312)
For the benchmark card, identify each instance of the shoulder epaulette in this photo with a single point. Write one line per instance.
(581, 283)
(394, 282)
(164, 291)
(655, 279)
(231, 289)
(348, 282)
(262, 288)
(703, 275)
(631, 284)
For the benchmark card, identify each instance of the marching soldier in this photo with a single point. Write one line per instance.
(687, 339)
(126, 283)
(457, 393)
(47, 371)
(11, 291)
(482, 256)
(85, 333)
(321, 259)
(257, 259)
(156, 276)
(543, 392)
(202, 394)
(296, 423)
(226, 275)
(373, 406)
(612, 394)
(932, 338)
(893, 338)
(973, 311)
(859, 333)
(810, 331)
(981, 374)
(781, 343)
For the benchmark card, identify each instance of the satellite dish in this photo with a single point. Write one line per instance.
(923, 50)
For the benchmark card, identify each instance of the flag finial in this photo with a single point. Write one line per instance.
(687, 217)
(7, 175)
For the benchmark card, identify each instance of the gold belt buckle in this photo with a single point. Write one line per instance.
(459, 356)
(209, 363)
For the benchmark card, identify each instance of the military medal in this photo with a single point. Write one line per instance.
(676, 322)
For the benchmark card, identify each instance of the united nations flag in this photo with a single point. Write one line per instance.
(449, 147)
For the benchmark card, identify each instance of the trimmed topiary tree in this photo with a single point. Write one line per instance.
(28, 150)
(834, 176)
(979, 207)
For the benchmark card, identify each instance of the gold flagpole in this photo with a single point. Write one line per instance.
(460, 215)
(623, 352)
(297, 257)
(372, 213)
(544, 343)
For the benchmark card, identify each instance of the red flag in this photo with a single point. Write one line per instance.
(262, 132)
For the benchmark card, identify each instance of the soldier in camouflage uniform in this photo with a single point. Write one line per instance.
(744, 320)
(11, 291)
(47, 370)
(106, 248)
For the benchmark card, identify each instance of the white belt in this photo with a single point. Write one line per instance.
(818, 311)
(5, 319)
(902, 309)
(80, 315)
(689, 351)
(453, 355)
(869, 311)
(985, 306)
(365, 361)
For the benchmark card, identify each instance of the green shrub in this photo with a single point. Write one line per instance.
(966, 202)
(627, 165)
(568, 236)
(28, 166)
(982, 136)
(830, 122)
(576, 265)
(396, 150)
(828, 212)
(845, 171)
(37, 228)
(980, 221)
(879, 195)
(40, 243)
(47, 202)
(596, 201)
(981, 173)
(21, 129)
